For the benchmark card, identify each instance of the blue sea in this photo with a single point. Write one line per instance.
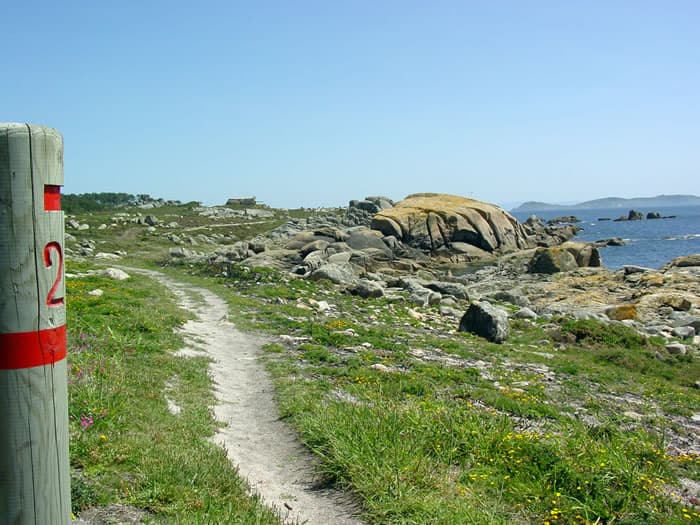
(649, 242)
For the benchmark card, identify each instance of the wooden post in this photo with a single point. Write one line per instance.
(34, 466)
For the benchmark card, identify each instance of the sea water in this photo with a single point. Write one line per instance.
(649, 242)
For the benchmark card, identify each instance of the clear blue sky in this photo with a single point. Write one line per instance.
(315, 103)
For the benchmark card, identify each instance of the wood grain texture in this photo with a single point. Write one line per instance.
(34, 466)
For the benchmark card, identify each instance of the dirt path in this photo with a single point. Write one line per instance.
(265, 450)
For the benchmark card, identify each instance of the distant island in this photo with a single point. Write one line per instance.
(660, 201)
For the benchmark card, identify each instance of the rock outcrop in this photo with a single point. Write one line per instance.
(549, 233)
(432, 221)
(360, 212)
(564, 258)
(685, 261)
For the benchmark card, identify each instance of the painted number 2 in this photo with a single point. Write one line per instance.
(51, 299)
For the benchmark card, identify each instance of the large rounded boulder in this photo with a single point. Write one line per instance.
(430, 221)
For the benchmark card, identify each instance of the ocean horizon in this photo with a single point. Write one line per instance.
(649, 242)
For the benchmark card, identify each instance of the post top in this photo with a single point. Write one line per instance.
(23, 126)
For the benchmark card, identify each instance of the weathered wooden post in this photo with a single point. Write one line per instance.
(34, 467)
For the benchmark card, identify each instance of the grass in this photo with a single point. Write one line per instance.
(481, 433)
(126, 446)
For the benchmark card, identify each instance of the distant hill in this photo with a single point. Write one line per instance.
(660, 201)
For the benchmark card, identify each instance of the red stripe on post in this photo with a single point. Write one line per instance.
(52, 198)
(29, 349)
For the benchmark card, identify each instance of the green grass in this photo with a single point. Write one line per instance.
(125, 445)
(430, 442)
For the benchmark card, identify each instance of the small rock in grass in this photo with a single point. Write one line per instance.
(676, 349)
(415, 314)
(103, 255)
(448, 311)
(684, 332)
(96, 292)
(633, 415)
(115, 273)
(448, 301)
(366, 288)
(525, 313)
(380, 367)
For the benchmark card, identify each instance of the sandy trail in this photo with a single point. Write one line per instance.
(263, 448)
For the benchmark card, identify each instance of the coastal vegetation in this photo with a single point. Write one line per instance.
(568, 421)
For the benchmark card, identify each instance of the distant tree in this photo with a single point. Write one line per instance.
(86, 202)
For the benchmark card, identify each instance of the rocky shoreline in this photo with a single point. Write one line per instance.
(447, 251)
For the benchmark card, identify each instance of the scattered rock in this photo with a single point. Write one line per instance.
(337, 273)
(525, 313)
(449, 311)
(612, 241)
(180, 253)
(583, 314)
(552, 260)
(382, 368)
(415, 314)
(684, 261)
(323, 306)
(364, 239)
(107, 256)
(114, 273)
(677, 302)
(621, 312)
(683, 332)
(676, 348)
(631, 269)
(257, 213)
(456, 290)
(568, 219)
(511, 297)
(635, 215)
(685, 319)
(419, 294)
(486, 320)
(366, 288)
